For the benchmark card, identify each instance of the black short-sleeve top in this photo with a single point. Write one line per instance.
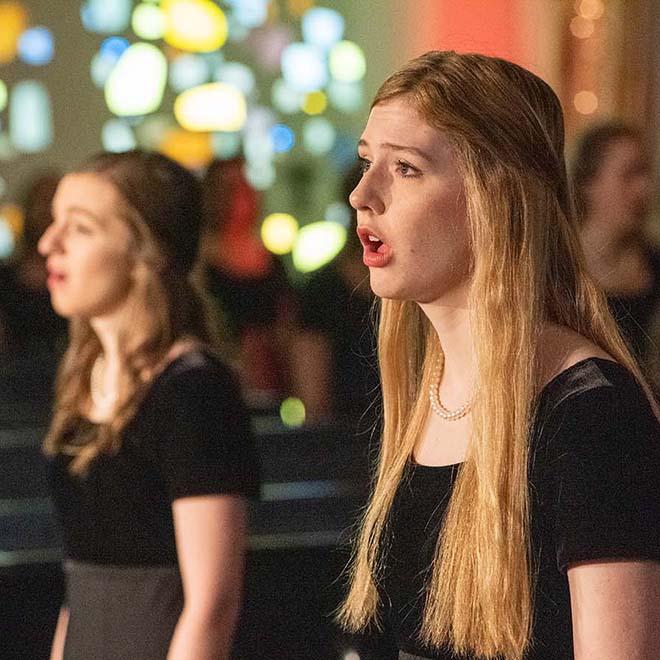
(595, 494)
(190, 436)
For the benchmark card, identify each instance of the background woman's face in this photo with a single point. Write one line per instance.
(411, 199)
(88, 248)
(620, 191)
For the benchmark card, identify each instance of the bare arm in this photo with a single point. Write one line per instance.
(211, 539)
(616, 609)
(311, 365)
(57, 648)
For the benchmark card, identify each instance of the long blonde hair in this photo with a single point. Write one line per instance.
(506, 127)
(162, 209)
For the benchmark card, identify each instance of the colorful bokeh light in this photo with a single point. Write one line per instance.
(304, 68)
(346, 96)
(347, 62)
(292, 412)
(137, 82)
(319, 136)
(318, 244)
(249, 13)
(187, 71)
(283, 138)
(36, 46)
(285, 99)
(315, 103)
(30, 117)
(14, 21)
(322, 27)
(148, 21)
(117, 136)
(226, 145)
(7, 241)
(239, 75)
(194, 25)
(106, 16)
(211, 107)
(279, 232)
(192, 150)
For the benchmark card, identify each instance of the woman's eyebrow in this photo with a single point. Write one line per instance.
(400, 147)
(79, 210)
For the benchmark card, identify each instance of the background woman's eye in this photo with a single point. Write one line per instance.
(82, 228)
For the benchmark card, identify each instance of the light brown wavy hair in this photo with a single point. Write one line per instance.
(506, 127)
(163, 210)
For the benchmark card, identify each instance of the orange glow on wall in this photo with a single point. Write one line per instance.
(496, 27)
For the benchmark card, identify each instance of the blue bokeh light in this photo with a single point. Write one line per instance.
(106, 16)
(113, 47)
(304, 68)
(283, 138)
(322, 27)
(36, 46)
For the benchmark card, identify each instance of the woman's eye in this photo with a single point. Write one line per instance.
(81, 228)
(364, 165)
(406, 169)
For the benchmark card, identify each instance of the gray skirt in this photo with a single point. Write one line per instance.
(121, 613)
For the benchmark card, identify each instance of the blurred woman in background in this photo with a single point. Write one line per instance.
(150, 446)
(612, 180)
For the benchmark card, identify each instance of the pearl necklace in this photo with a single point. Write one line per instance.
(434, 396)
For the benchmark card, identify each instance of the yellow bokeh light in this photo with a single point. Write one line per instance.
(585, 102)
(4, 95)
(192, 150)
(211, 107)
(317, 245)
(14, 217)
(315, 103)
(590, 9)
(581, 27)
(279, 232)
(194, 25)
(347, 62)
(299, 7)
(148, 21)
(13, 22)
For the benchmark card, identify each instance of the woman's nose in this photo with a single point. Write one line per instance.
(49, 239)
(367, 196)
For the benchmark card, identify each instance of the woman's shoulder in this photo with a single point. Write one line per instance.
(596, 405)
(195, 372)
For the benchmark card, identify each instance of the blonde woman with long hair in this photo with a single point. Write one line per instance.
(150, 446)
(516, 506)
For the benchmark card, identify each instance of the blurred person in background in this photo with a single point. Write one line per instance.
(333, 355)
(247, 282)
(613, 190)
(150, 449)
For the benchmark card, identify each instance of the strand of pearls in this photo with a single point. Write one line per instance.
(434, 396)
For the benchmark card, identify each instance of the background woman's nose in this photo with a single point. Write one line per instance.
(48, 240)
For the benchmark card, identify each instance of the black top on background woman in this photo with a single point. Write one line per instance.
(516, 510)
(150, 444)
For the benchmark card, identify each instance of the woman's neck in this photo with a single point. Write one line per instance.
(452, 326)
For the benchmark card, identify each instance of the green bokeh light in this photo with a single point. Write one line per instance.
(292, 412)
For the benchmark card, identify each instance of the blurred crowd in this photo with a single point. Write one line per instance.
(315, 339)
